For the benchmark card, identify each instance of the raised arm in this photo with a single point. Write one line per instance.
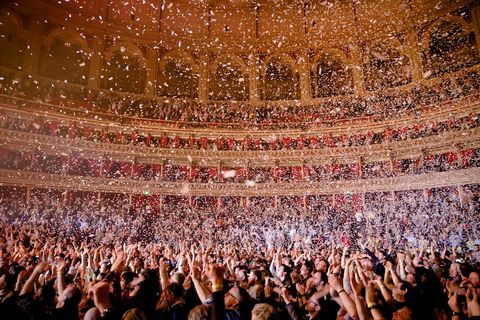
(347, 302)
(60, 267)
(28, 286)
(215, 273)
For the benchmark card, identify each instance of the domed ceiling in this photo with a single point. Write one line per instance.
(247, 25)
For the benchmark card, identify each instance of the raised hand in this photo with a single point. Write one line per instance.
(473, 305)
(59, 264)
(335, 282)
(215, 272)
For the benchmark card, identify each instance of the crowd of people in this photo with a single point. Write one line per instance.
(414, 256)
(129, 136)
(381, 105)
(76, 164)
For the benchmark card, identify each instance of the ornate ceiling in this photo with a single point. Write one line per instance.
(247, 25)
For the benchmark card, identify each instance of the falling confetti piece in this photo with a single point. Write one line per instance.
(229, 174)
(250, 183)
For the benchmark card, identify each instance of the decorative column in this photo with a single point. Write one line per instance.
(357, 69)
(412, 50)
(203, 77)
(304, 72)
(32, 53)
(96, 61)
(151, 68)
(476, 23)
(253, 78)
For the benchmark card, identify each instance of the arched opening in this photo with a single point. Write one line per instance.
(280, 81)
(65, 60)
(12, 47)
(387, 67)
(124, 71)
(331, 77)
(451, 48)
(177, 79)
(229, 83)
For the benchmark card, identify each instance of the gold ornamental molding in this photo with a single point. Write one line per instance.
(29, 109)
(128, 186)
(449, 141)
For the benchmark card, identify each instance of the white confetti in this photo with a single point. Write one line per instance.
(229, 174)
(250, 183)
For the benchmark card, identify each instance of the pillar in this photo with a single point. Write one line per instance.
(96, 61)
(151, 68)
(304, 72)
(476, 24)
(32, 53)
(357, 69)
(253, 78)
(204, 78)
(412, 50)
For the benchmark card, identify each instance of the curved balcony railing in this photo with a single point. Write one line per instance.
(464, 139)
(463, 117)
(422, 97)
(128, 186)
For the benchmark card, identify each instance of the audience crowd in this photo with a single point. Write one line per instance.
(129, 136)
(412, 257)
(77, 164)
(379, 106)
(411, 254)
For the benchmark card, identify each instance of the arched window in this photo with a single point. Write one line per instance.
(451, 48)
(388, 67)
(331, 77)
(65, 60)
(124, 72)
(12, 47)
(177, 79)
(229, 83)
(280, 81)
